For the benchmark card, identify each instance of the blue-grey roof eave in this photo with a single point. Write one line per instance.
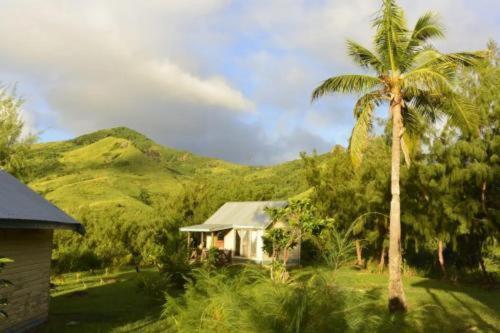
(23, 208)
(33, 224)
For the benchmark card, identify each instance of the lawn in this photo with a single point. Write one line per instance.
(103, 303)
(435, 305)
(114, 303)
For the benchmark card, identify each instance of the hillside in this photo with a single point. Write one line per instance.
(121, 169)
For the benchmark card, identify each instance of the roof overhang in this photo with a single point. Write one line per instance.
(206, 227)
(39, 224)
(235, 226)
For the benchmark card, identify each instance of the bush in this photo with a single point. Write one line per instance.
(156, 285)
(249, 301)
(76, 260)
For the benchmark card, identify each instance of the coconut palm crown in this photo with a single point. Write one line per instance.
(419, 84)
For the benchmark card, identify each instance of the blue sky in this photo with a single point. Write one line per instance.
(229, 79)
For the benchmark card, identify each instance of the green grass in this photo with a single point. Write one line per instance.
(434, 305)
(103, 303)
(114, 303)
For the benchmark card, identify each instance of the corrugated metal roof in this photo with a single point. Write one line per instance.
(247, 214)
(21, 207)
(206, 227)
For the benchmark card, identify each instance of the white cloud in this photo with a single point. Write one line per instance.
(222, 78)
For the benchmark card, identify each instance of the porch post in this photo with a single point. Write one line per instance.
(189, 240)
(213, 239)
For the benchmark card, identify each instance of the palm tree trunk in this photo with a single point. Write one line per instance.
(359, 253)
(397, 299)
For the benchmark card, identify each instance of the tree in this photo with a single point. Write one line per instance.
(418, 82)
(13, 144)
(334, 189)
(291, 224)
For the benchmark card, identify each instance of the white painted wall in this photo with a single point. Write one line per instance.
(255, 240)
(208, 240)
(230, 240)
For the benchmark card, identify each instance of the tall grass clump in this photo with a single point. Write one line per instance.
(247, 300)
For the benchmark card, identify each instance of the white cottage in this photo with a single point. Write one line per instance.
(238, 227)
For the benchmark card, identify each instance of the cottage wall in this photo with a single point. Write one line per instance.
(28, 297)
(230, 241)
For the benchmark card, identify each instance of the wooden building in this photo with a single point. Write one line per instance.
(238, 227)
(27, 222)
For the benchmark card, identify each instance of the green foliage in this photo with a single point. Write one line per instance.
(73, 259)
(248, 301)
(355, 305)
(291, 224)
(3, 283)
(156, 286)
(343, 196)
(336, 247)
(453, 184)
(212, 258)
(14, 145)
(130, 192)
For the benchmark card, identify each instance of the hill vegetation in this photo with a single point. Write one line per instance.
(117, 180)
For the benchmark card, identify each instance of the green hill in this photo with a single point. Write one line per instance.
(132, 194)
(121, 169)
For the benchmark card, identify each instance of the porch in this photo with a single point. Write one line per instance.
(240, 244)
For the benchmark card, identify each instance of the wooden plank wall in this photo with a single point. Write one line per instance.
(30, 274)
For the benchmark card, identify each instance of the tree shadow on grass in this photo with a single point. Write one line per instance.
(487, 296)
(475, 318)
(432, 317)
(104, 308)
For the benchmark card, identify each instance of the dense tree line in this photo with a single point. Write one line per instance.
(450, 190)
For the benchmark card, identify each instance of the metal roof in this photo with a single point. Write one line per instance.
(22, 208)
(206, 227)
(247, 214)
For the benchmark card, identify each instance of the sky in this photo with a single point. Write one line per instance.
(220, 78)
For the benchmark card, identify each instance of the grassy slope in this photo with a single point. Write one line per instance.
(116, 305)
(110, 168)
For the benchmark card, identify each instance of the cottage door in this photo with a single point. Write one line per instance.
(244, 242)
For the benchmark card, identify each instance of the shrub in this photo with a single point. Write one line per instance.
(156, 285)
(70, 260)
(249, 301)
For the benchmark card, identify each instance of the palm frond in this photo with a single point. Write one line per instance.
(364, 57)
(359, 137)
(346, 84)
(462, 113)
(446, 62)
(428, 26)
(412, 121)
(429, 80)
(391, 34)
(422, 108)
(372, 99)
(406, 150)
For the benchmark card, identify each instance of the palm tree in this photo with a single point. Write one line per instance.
(418, 82)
